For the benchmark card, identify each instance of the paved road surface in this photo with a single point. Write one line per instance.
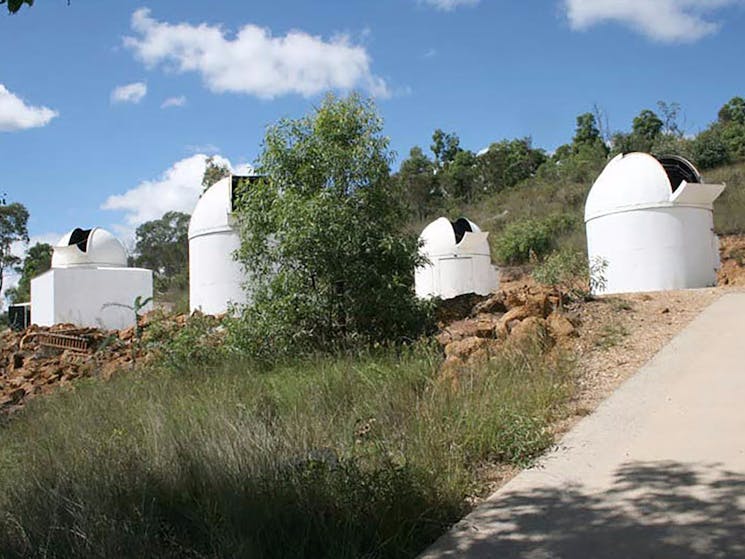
(658, 471)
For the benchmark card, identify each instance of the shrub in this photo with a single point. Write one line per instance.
(197, 343)
(569, 273)
(531, 238)
(709, 150)
(323, 236)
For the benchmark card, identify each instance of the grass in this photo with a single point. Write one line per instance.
(610, 335)
(358, 456)
(729, 209)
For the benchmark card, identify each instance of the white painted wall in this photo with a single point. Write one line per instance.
(215, 277)
(655, 249)
(83, 296)
(42, 299)
(454, 268)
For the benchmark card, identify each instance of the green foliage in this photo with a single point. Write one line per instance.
(360, 456)
(15, 5)
(646, 129)
(733, 137)
(13, 228)
(162, 245)
(213, 172)
(521, 241)
(197, 344)
(137, 306)
(610, 335)
(38, 260)
(733, 111)
(569, 273)
(322, 236)
(709, 149)
(587, 134)
(418, 184)
(444, 147)
(507, 163)
(729, 208)
(457, 177)
(724, 141)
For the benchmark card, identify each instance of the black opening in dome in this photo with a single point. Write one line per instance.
(79, 238)
(678, 170)
(461, 226)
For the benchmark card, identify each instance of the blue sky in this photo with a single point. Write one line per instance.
(86, 139)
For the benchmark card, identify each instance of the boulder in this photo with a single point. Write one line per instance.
(532, 329)
(561, 327)
(465, 347)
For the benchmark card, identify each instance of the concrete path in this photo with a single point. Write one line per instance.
(658, 471)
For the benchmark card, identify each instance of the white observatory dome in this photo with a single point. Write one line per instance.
(650, 221)
(459, 260)
(92, 248)
(215, 278)
(89, 284)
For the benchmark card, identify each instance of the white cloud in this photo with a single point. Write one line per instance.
(177, 189)
(449, 5)
(179, 101)
(667, 21)
(17, 115)
(130, 93)
(253, 61)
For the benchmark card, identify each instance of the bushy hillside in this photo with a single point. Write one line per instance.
(532, 202)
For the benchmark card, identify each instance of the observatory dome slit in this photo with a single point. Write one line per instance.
(79, 238)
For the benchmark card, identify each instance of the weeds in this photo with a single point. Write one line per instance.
(611, 335)
(357, 456)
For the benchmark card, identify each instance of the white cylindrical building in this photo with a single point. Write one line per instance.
(89, 283)
(216, 278)
(459, 260)
(650, 226)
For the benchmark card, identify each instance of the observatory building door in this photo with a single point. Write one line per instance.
(456, 276)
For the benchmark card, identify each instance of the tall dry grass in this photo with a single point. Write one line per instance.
(356, 456)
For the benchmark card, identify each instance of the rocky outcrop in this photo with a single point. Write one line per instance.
(515, 316)
(39, 359)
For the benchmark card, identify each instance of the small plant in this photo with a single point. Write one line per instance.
(598, 279)
(618, 304)
(611, 335)
(197, 344)
(136, 307)
(568, 273)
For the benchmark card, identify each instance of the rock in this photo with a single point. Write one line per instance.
(464, 348)
(444, 337)
(457, 308)
(494, 304)
(561, 327)
(450, 370)
(532, 329)
(481, 327)
(665, 311)
(127, 333)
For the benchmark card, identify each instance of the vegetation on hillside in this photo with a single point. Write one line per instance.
(365, 455)
(318, 425)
